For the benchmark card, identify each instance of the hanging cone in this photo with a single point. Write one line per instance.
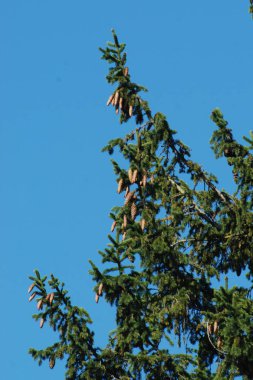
(134, 176)
(109, 101)
(117, 110)
(100, 289)
(51, 298)
(120, 185)
(121, 103)
(32, 296)
(31, 288)
(219, 342)
(48, 296)
(124, 221)
(42, 321)
(39, 304)
(143, 222)
(113, 225)
(129, 197)
(125, 71)
(51, 363)
(96, 298)
(130, 111)
(209, 329)
(127, 191)
(133, 211)
(116, 98)
(124, 236)
(215, 327)
(130, 175)
(144, 180)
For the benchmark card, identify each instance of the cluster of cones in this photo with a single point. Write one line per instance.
(46, 300)
(130, 199)
(118, 100)
(213, 329)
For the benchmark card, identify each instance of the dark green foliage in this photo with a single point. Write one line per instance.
(251, 6)
(170, 239)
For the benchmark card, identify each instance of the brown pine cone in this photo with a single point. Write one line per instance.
(124, 221)
(219, 342)
(32, 296)
(42, 321)
(134, 176)
(120, 185)
(52, 363)
(127, 191)
(51, 298)
(143, 222)
(129, 197)
(100, 289)
(215, 327)
(130, 175)
(116, 98)
(113, 225)
(39, 304)
(144, 180)
(209, 328)
(31, 288)
(125, 71)
(130, 111)
(96, 298)
(109, 101)
(133, 211)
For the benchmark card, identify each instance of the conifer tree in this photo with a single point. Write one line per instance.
(173, 232)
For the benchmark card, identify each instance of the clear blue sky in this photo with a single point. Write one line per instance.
(56, 188)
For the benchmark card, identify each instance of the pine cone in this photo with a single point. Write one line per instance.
(120, 185)
(127, 191)
(144, 180)
(219, 342)
(51, 298)
(215, 327)
(31, 287)
(130, 175)
(209, 328)
(42, 321)
(117, 110)
(124, 236)
(125, 71)
(133, 211)
(113, 225)
(52, 363)
(109, 101)
(124, 221)
(48, 296)
(32, 296)
(96, 298)
(130, 111)
(116, 98)
(134, 176)
(129, 197)
(39, 304)
(121, 103)
(100, 289)
(143, 222)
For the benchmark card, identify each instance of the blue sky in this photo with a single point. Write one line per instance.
(56, 187)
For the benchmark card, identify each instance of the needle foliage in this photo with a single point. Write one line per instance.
(173, 232)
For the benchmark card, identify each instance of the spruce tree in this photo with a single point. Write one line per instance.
(173, 232)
